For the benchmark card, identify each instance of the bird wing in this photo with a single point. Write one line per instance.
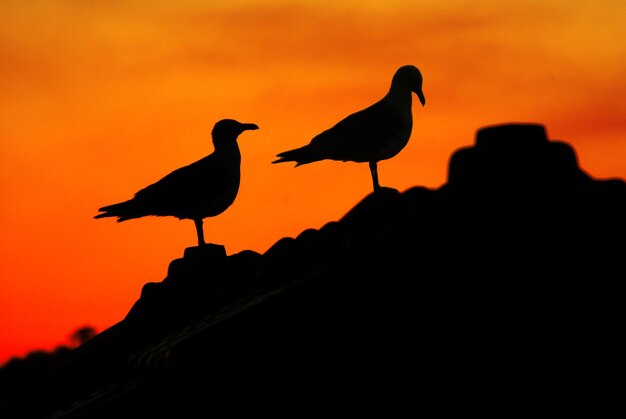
(361, 135)
(187, 188)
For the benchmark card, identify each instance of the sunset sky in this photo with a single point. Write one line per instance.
(101, 98)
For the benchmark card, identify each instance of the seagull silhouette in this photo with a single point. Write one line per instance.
(202, 189)
(375, 133)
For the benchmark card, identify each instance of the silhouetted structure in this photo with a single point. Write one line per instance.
(376, 133)
(500, 291)
(202, 189)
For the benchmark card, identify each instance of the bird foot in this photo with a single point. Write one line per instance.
(205, 250)
(384, 189)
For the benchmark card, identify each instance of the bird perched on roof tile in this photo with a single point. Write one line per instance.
(375, 133)
(202, 189)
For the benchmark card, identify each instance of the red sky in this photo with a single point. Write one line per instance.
(101, 98)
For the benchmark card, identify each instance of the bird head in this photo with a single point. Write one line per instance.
(229, 130)
(409, 77)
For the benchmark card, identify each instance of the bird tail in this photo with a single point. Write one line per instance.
(300, 156)
(123, 211)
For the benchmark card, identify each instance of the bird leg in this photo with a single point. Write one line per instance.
(200, 231)
(374, 170)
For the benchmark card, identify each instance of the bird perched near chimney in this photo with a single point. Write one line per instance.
(375, 133)
(202, 189)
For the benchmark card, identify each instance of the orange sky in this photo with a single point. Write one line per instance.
(101, 98)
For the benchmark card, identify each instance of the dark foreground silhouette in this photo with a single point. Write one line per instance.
(500, 291)
(376, 133)
(202, 189)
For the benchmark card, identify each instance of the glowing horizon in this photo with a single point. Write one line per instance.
(101, 99)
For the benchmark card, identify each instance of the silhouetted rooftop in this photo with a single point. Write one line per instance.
(500, 287)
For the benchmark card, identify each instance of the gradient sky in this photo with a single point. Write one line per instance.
(101, 98)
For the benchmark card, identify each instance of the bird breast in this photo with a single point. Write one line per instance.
(398, 141)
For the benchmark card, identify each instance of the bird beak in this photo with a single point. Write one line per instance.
(246, 127)
(420, 95)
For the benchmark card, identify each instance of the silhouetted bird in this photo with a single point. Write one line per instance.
(375, 133)
(202, 189)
